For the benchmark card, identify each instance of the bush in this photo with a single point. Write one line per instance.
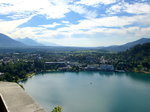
(57, 109)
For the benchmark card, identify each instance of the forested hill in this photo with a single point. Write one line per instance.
(137, 58)
(126, 46)
(140, 51)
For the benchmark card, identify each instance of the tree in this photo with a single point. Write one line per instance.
(57, 109)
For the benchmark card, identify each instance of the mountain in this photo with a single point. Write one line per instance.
(126, 46)
(6, 41)
(29, 42)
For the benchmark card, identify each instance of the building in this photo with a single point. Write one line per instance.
(60, 64)
(106, 67)
(93, 67)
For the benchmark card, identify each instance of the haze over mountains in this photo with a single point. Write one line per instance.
(29, 42)
(6, 41)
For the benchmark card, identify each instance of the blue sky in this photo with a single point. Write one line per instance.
(76, 22)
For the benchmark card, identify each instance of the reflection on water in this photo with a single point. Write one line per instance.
(139, 77)
(91, 91)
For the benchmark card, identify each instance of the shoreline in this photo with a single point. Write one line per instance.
(29, 75)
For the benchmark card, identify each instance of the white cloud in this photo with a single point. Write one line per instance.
(143, 32)
(55, 11)
(83, 11)
(50, 8)
(86, 31)
(136, 8)
(31, 32)
(89, 27)
(117, 8)
(90, 37)
(9, 26)
(95, 36)
(65, 22)
(50, 25)
(95, 2)
(114, 21)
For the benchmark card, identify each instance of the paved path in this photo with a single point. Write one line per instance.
(16, 99)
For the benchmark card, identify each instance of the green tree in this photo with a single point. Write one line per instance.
(57, 109)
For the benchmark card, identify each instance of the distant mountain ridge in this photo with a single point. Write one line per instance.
(6, 41)
(29, 42)
(126, 46)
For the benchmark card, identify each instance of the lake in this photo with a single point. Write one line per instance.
(91, 91)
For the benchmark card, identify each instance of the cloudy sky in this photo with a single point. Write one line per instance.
(76, 22)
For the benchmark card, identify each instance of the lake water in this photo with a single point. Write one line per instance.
(91, 91)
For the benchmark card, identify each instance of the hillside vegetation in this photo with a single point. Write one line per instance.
(20, 64)
(136, 59)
